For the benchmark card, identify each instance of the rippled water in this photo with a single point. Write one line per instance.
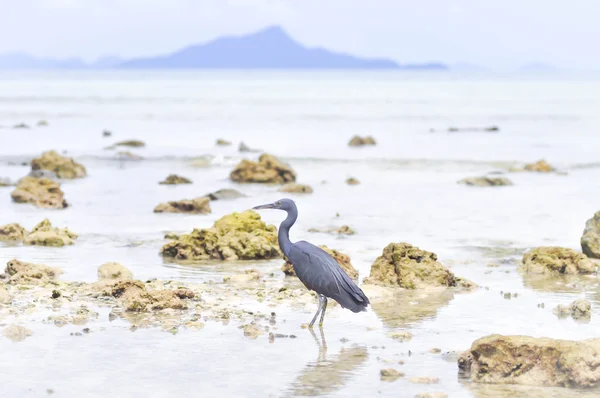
(408, 192)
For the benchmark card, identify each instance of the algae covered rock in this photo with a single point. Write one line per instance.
(20, 272)
(12, 233)
(352, 181)
(133, 296)
(40, 192)
(111, 271)
(44, 234)
(222, 142)
(295, 188)
(237, 236)
(486, 181)
(131, 143)
(409, 267)
(590, 241)
(62, 166)
(361, 141)
(578, 309)
(174, 179)
(532, 361)
(342, 259)
(199, 205)
(554, 260)
(541, 166)
(225, 194)
(268, 170)
(343, 230)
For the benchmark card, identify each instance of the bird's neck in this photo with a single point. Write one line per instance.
(284, 232)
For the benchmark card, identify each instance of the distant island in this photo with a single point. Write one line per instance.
(270, 48)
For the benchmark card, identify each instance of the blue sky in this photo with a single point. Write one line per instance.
(500, 33)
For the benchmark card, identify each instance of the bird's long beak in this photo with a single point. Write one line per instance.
(267, 206)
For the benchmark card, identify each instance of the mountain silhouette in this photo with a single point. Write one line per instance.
(270, 48)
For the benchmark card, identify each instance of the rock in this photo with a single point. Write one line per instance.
(541, 166)
(237, 236)
(488, 129)
(252, 331)
(106, 133)
(362, 141)
(131, 143)
(435, 394)
(225, 194)
(532, 361)
(42, 123)
(4, 295)
(21, 126)
(20, 272)
(134, 297)
(44, 234)
(40, 192)
(172, 235)
(343, 230)
(590, 241)
(390, 374)
(486, 181)
(62, 166)
(16, 333)
(352, 181)
(43, 174)
(402, 336)
(12, 232)
(578, 309)
(113, 271)
(5, 182)
(554, 260)
(409, 267)
(245, 148)
(222, 142)
(342, 259)
(295, 188)
(248, 276)
(199, 205)
(174, 179)
(268, 170)
(424, 380)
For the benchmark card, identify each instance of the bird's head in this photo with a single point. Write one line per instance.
(281, 204)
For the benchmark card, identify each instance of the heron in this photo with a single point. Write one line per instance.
(315, 268)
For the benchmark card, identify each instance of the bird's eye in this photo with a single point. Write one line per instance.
(278, 203)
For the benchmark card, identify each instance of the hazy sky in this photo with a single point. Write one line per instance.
(504, 33)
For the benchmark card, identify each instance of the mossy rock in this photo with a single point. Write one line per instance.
(237, 236)
(41, 192)
(590, 240)
(174, 179)
(44, 234)
(62, 166)
(268, 170)
(12, 233)
(554, 260)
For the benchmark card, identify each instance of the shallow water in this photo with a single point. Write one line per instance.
(408, 192)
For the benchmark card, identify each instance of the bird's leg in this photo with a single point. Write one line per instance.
(310, 325)
(323, 308)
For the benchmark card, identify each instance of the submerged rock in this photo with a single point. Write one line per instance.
(534, 361)
(554, 260)
(16, 333)
(578, 309)
(268, 170)
(20, 272)
(245, 148)
(486, 181)
(409, 267)
(5, 182)
(125, 155)
(21, 126)
(131, 143)
(42, 123)
(111, 271)
(343, 230)
(12, 232)
(174, 179)
(296, 188)
(199, 205)
(541, 166)
(40, 192)
(62, 166)
(237, 236)
(390, 374)
(44, 234)
(222, 142)
(225, 194)
(362, 141)
(252, 331)
(590, 241)
(342, 259)
(106, 133)
(352, 181)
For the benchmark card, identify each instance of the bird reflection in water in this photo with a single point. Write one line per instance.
(326, 375)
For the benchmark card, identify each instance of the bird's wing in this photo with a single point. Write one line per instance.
(322, 273)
